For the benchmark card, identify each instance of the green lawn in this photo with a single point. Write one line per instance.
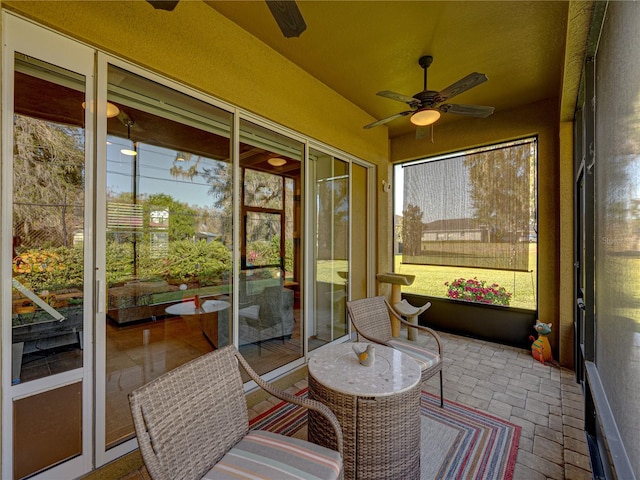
(430, 280)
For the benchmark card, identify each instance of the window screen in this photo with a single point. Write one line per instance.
(472, 209)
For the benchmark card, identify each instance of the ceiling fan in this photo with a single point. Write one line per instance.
(286, 13)
(427, 105)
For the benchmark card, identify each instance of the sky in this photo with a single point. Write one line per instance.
(154, 165)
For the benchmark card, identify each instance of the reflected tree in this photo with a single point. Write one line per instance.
(48, 173)
(218, 175)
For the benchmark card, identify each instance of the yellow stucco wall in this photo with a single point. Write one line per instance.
(567, 245)
(539, 119)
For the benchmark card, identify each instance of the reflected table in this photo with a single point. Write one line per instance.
(208, 314)
(378, 408)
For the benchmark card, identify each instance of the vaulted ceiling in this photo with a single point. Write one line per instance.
(529, 50)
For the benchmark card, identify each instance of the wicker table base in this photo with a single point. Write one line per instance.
(381, 433)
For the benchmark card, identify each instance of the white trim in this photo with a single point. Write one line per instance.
(116, 452)
(154, 77)
(100, 188)
(45, 384)
(309, 272)
(88, 318)
(32, 40)
(371, 226)
(235, 134)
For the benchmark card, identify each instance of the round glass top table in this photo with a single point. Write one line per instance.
(378, 408)
(189, 308)
(207, 313)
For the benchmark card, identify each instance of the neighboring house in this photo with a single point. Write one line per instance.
(455, 230)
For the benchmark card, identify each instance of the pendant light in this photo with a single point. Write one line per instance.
(127, 151)
(276, 161)
(112, 109)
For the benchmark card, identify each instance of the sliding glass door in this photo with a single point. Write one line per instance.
(270, 314)
(330, 225)
(168, 223)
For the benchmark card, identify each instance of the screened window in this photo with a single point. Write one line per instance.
(466, 224)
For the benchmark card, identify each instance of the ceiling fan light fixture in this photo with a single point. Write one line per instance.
(425, 117)
(276, 161)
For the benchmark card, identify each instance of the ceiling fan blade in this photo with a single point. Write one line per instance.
(388, 119)
(468, 110)
(411, 101)
(288, 17)
(167, 5)
(462, 85)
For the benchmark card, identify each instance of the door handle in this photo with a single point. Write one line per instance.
(101, 295)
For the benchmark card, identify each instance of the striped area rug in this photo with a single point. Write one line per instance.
(458, 442)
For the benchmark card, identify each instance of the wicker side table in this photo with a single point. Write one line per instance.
(378, 408)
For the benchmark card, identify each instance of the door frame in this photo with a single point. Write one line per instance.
(22, 36)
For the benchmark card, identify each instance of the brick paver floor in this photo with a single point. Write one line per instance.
(544, 400)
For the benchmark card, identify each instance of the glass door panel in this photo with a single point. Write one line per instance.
(270, 281)
(168, 237)
(331, 225)
(48, 221)
(48, 288)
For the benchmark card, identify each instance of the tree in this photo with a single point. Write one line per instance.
(411, 230)
(501, 181)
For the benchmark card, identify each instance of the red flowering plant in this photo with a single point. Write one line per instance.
(474, 290)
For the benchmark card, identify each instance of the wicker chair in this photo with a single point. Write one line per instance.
(192, 423)
(370, 317)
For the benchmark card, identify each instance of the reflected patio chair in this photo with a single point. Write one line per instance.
(192, 423)
(370, 318)
(271, 317)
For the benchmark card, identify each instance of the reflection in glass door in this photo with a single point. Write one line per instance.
(46, 303)
(168, 241)
(270, 316)
(330, 179)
